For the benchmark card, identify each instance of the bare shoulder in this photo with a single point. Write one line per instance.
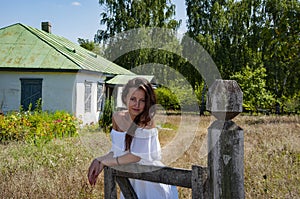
(120, 121)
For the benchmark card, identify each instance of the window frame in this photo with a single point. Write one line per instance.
(88, 96)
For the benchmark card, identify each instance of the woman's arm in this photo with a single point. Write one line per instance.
(108, 155)
(124, 159)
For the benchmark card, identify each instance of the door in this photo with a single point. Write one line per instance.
(31, 92)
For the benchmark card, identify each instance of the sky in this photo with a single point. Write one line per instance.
(71, 19)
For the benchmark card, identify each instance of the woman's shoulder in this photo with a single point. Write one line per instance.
(120, 121)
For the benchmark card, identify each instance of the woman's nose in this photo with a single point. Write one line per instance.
(137, 104)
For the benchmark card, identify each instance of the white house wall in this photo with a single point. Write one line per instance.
(10, 91)
(82, 78)
(60, 91)
(57, 90)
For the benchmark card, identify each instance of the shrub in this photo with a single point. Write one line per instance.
(105, 120)
(37, 126)
(167, 99)
(177, 97)
(253, 84)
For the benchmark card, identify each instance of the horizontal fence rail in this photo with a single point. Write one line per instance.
(193, 179)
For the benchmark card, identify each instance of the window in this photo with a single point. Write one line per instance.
(99, 96)
(31, 92)
(87, 96)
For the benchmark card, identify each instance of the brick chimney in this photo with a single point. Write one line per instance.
(46, 26)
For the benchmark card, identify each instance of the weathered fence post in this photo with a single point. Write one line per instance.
(110, 189)
(197, 185)
(225, 141)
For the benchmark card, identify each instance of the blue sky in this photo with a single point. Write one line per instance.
(71, 19)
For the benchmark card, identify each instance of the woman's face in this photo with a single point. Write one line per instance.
(135, 102)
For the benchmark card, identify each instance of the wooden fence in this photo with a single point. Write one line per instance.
(193, 179)
(224, 175)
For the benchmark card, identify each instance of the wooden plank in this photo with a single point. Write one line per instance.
(110, 190)
(126, 188)
(166, 175)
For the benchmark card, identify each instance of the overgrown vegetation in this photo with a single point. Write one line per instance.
(253, 82)
(105, 121)
(36, 126)
(179, 95)
(167, 99)
(58, 169)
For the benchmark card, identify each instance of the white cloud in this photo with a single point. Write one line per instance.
(76, 3)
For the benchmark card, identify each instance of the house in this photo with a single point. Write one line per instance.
(36, 64)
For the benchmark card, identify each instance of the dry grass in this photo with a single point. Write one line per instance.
(58, 169)
(272, 156)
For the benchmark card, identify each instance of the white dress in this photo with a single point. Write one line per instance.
(145, 144)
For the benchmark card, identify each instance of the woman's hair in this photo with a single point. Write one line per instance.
(149, 110)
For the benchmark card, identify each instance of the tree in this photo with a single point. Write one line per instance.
(253, 85)
(85, 43)
(90, 45)
(127, 24)
(254, 34)
(122, 15)
(281, 48)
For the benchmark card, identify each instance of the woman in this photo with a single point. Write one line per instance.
(135, 140)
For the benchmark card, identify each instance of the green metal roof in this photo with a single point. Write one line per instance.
(25, 47)
(123, 79)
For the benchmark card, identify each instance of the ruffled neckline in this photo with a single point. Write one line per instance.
(140, 132)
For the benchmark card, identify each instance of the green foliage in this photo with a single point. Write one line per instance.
(177, 96)
(280, 48)
(105, 120)
(235, 33)
(292, 105)
(129, 14)
(251, 33)
(186, 96)
(36, 126)
(132, 18)
(200, 92)
(167, 98)
(90, 45)
(253, 85)
(85, 43)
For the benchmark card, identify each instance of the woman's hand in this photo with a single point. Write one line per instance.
(94, 170)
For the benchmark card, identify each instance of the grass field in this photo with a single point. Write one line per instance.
(58, 169)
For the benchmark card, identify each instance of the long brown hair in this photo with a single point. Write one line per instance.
(149, 111)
